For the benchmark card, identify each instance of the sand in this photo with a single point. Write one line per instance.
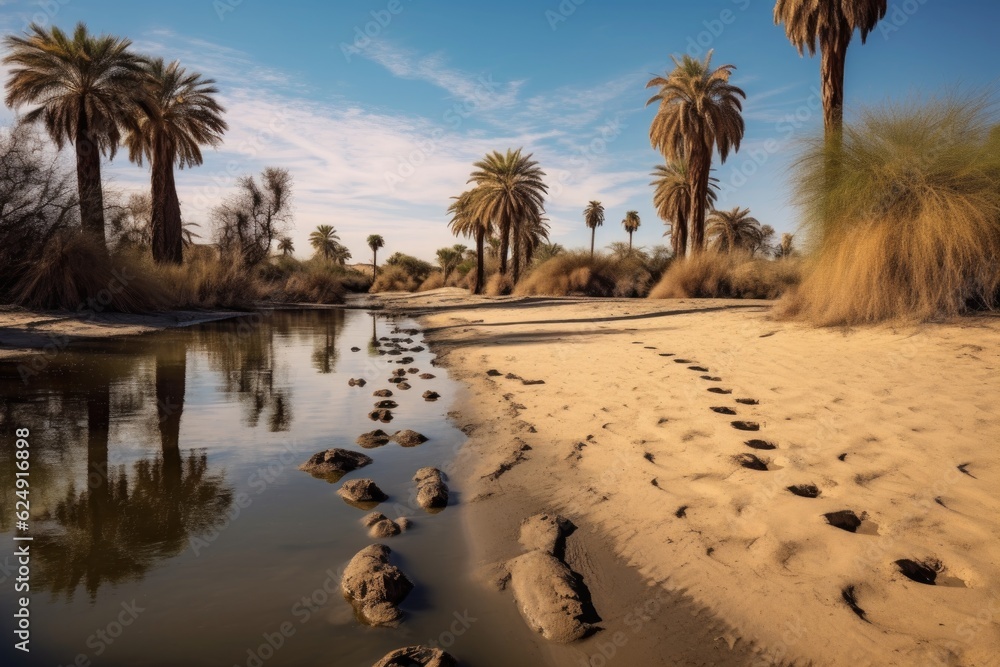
(898, 425)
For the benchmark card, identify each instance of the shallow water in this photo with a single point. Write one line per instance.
(171, 525)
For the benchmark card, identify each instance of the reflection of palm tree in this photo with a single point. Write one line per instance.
(324, 354)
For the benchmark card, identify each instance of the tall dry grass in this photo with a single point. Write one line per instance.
(394, 279)
(905, 219)
(577, 273)
(727, 276)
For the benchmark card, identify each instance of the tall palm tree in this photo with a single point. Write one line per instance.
(86, 89)
(593, 216)
(829, 25)
(672, 196)
(699, 112)
(530, 236)
(375, 242)
(463, 222)
(324, 240)
(734, 230)
(286, 246)
(340, 254)
(510, 192)
(631, 223)
(182, 115)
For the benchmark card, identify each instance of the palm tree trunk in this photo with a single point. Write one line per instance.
(833, 62)
(168, 244)
(517, 259)
(504, 246)
(701, 165)
(630, 242)
(480, 269)
(593, 233)
(374, 262)
(682, 236)
(88, 180)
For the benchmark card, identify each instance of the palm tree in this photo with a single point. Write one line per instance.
(340, 254)
(672, 198)
(829, 25)
(593, 216)
(286, 246)
(785, 248)
(448, 259)
(631, 224)
(530, 235)
(734, 230)
(463, 222)
(324, 240)
(699, 112)
(375, 242)
(510, 192)
(85, 90)
(181, 116)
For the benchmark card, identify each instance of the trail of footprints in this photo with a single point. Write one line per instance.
(928, 571)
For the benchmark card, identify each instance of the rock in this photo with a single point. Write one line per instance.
(426, 376)
(399, 372)
(373, 439)
(405, 360)
(355, 349)
(380, 526)
(412, 371)
(386, 404)
(493, 373)
(545, 532)
(361, 492)
(334, 463)
(395, 380)
(383, 415)
(431, 396)
(375, 587)
(418, 348)
(408, 438)
(403, 385)
(417, 656)
(404, 523)
(432, 492)
(547, 596)
(360, 382)
(382, 393)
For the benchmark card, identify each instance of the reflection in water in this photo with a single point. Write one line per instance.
(324, 356)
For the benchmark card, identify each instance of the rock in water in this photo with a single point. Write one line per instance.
(408, 438)
(361, 492)
(417, 656)
(375, 587)
(547, 596)
(431, 395)
(383, 415)
(382, 393)
(360, 382)
(432, 492)
(373, 439)
(545, 532)
(380, 526)
(334, 463)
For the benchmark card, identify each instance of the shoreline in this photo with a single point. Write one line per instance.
(623, 442)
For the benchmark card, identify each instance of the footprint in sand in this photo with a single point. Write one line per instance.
(760, 444)
(748, 401)
(666, 354)
(681, 512)
(682, 361)
(964, 469)
(699, 369)
(851, 522)
(927, 572)
(720, 390)
(745, 426)
(649, 347)
(805, 490)
(711, 378)
(850, 597)
(723, 410)
(751, 462)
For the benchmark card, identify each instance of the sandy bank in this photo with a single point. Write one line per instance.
(899, 426)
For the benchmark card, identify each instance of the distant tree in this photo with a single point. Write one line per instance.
(448, 259)
(548, 251)
(593, 217)
(324, 240)
(734, 230)
(766, 245)
(286, 246)
(631, 224)
(785, 248)
(375, 242)
(465, 223)
(622, 250)
(130, 224)
(340, 254)
(248, 222)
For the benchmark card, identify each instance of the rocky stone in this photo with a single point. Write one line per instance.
(382, 393)
(426, 376)
(380, 526)
(431, 395)
(408, 438)
(387, 404)
(432, 492)
(403, 385)
(412, 371)
(355, 349)
(360, 382)
(334, 463)
(545, 532)
(375, 587)
(547, 596)
(417, 656)
(493, 373)
(399, 372)
(373, 439)
(361, 492)
(383, 415)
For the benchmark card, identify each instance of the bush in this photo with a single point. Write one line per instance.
(394, 279)
(727, 276)
(434, 281)
(576, 273)
(208, 282)
(904, 219)
(496, 285)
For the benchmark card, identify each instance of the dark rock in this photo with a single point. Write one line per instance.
(387, 404)
(426, 376)
(360, 382)
(408, 438)
(375, 587)
(382, 393)
(493, 373)
(380, 415)
(399, 372)
(412, 371)
(355, 349)
(403, 385)
(373, 439)
(334, 463)
(431, 395)
(361, 492)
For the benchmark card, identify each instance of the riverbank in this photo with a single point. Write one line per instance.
(895, 426)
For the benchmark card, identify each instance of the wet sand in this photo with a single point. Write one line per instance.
(677, 502)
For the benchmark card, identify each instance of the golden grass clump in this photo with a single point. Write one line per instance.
(579, 274)
(394, 279)
(904, 219)
(208, 282)
(498, 285)
(434, 281)
(73, 272)
(715, 275)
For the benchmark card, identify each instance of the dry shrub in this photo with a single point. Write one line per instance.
(434, 281)
(394, 279)
(727, 276)
(576, 273)
(313, 287)
(208, 282)
(74, 272)
(905, 218)
(496, 285)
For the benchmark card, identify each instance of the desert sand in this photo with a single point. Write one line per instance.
(898, 425)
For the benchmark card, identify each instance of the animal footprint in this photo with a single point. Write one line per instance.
(760, 444)
(752, 462)
(682, 361)
(746, 426)
(722, 410)
(699, 369)
(805, 490)
(711, 378)
(748, 401)
(720, 390)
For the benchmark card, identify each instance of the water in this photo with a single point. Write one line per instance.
(172, 527)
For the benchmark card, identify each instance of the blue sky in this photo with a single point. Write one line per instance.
(379, 107)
